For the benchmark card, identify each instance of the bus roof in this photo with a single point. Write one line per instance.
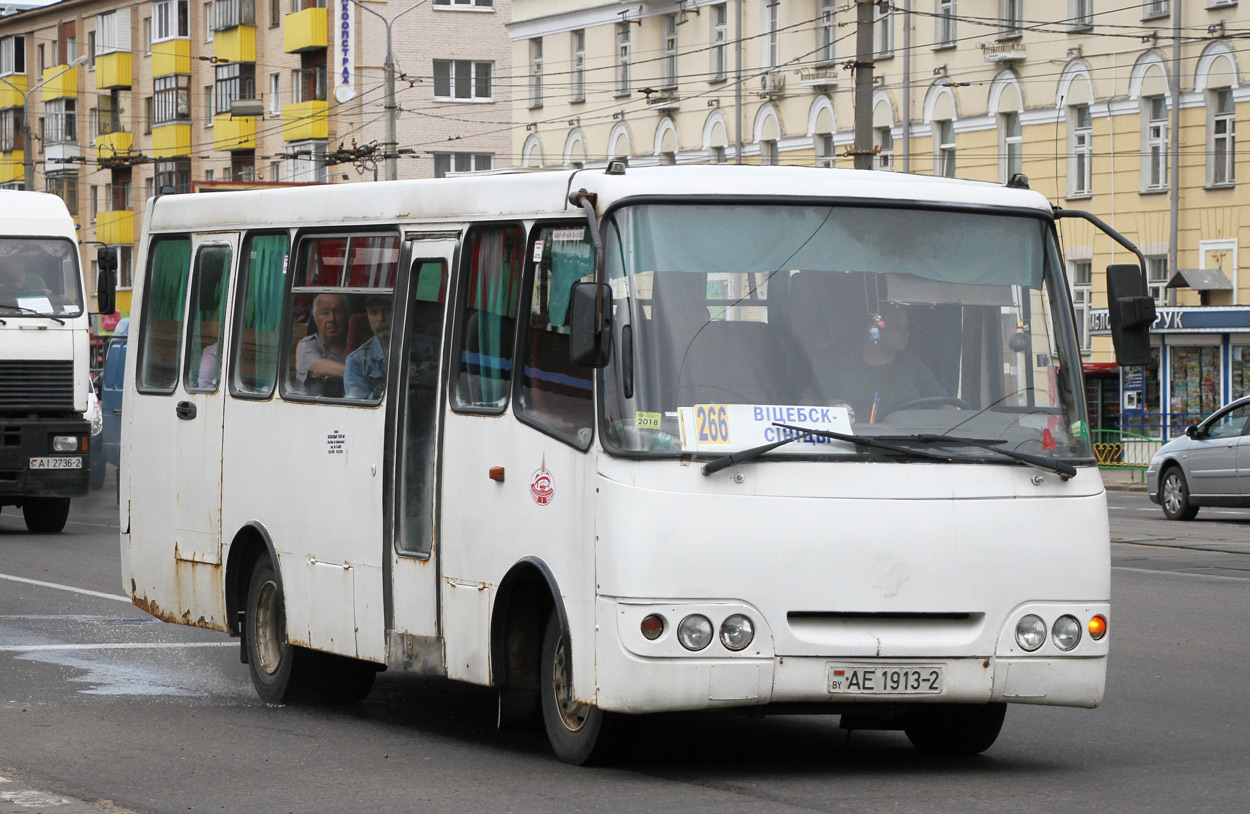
(34, 214)
(545, 193)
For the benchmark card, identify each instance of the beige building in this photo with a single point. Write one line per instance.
(125, 99)
(1088, 98)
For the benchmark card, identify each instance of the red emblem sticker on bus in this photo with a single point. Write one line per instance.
(1048, 440)
(542, 488)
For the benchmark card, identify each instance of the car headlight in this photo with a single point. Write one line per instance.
(694, 632)
(736, 632)
(97, 420)
(1066, 633)
(1030, 632)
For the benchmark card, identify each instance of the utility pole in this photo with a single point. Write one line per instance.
(863, 84)
(390, 143)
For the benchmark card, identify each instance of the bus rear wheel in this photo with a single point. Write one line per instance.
(45, 515)
(279, 669)
(580, 734)
(955, 729)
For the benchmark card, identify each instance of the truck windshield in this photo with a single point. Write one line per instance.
(39, 277)
(902, 323)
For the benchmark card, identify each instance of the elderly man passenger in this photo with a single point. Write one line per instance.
(319, 357)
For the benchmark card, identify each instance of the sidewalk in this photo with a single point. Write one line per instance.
(1123, 480)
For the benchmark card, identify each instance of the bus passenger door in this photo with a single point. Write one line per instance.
(411, 600)
(200, 408)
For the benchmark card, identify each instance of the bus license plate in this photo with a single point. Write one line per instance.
(56, 463)
(893, 679)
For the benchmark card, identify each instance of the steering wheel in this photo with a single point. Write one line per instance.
(930, 403)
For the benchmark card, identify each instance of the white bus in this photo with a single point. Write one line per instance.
(625, 442)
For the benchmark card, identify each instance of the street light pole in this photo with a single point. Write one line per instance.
(390, 144)
(28, 156)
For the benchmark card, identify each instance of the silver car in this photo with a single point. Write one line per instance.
(1208, 466)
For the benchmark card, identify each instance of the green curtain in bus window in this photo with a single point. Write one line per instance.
(208, 301)
(572, 258)
(490, 317)
(163, 317)
(256, 349)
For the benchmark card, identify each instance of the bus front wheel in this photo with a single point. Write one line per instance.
(955, 729)
(45, 515)
(580, 734)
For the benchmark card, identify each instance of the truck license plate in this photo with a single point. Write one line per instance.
(56, 463)
(887, 679)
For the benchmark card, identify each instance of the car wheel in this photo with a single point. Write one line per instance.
(1174, 496)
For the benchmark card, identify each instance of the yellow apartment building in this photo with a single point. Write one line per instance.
(1126, 110)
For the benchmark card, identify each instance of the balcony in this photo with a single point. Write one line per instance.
(60, 82)
(999, 52)
(12, 166)
(171, 140)
(307, 30)
(236, 44)
(234, 133)
(171, 57)
(114, 70)
(11, 95)
(306, 120)
(818, 78)
(116, 227)
(113, 146)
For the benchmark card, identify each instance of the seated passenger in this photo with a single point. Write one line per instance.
(320, 357)
(364, 373)
(209, 370)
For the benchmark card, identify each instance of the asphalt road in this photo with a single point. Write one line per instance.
(103, 708)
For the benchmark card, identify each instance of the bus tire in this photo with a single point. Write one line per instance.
(279, 669)
(45, 515)
(955, 729)
(580, 734)
(342, 680)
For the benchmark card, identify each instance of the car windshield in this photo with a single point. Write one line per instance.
(728, 320)
(39, 277)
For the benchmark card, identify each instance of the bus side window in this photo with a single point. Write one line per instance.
(161, 330)
(555, 394)
(202, 371)
(257, 333)
(488, 317)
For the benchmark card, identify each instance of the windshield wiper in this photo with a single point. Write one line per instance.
(1064, 470)
(23, 309)
(732, 458)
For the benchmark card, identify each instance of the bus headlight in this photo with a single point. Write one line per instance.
(1030, 632)
(1066, 633)
(694, 632)
(736, 632)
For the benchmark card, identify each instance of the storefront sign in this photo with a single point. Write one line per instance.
(1185, 320)
(345, 70)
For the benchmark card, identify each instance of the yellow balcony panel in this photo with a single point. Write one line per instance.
(60, 82)
(306, 120)
(237, 133)
(12, 166)
(12, 89)
(171, 140)
(236, 44)
(306, 30)
(114, 70)
(115, 227)
(113, 146)
(171, 57)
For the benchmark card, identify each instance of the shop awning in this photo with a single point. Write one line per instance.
(1201, 280)
(1100, 367)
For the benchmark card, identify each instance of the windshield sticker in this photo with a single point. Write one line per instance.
(538, 251)
(568, 235)
(726, 427)
(648, 421)
(542, 487)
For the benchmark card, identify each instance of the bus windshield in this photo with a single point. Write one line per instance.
(39, 277)
(898, 323)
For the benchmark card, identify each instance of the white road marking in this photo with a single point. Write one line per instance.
(1178, 573)
(30, 648)
(70, 588)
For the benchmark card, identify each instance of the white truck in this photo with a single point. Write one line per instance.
(44, 357)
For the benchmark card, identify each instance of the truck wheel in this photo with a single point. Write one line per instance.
(45, 515)
(955, 729)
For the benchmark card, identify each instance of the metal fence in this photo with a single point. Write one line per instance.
(1117, 449)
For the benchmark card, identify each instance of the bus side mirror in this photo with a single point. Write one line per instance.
(589, 343)
(1131, 312)
(106, 279)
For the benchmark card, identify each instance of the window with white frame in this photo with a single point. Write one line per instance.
(306, 162)
(1081, 151)
(826, 32)
(12, 55)
(1157, 278)
(170, 20)
(944, 130)
(1223, 136)
(823, 143)
(210, 19)
(275, 93)
(1010, 18)
(446, 164)
(883, 31)
(772, 33)
(465, 3)
(883, 142)
(1081, 14)
(207, 117)
(1081, 274)
(945, 18)
(770, 155)
(309, 84)
(1012, 150)
(462, 80)
(720, 41)
(536, 72)
(234, 13)
(578, 78)
(60, 121)
(668, 57)
(1156, 8)
(111, 34)
(622, 59)
(1155, 132)
(10, 129)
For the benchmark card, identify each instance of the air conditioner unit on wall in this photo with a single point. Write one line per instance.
(772, 82)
